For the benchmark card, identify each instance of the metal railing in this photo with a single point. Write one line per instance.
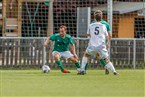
(29, 52)
(128, 52)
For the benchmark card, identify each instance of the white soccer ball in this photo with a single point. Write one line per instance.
(45, 69)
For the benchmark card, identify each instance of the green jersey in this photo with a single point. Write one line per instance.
(61, 44)
(105, 23)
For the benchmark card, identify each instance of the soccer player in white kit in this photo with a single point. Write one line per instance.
(97, 45)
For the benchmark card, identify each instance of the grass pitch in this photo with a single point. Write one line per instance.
(33, 83)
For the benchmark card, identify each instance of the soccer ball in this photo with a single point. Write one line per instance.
(45, 69)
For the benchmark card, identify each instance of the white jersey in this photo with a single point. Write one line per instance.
(98, 33)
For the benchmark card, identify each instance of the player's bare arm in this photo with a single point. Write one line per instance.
(47, 41)
(110, 35)
(74, 51)
(107, 42)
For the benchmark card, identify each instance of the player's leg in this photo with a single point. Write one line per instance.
(75, 61)
(106, 62)
(68, 55)
(84, 63)
(89, 51)
(57, 57)
(103, 63)
(86, 67)
(106, 71)
(109, 66)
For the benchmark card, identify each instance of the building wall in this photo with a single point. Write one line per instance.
(11, 9)
(126, 27)
(115, 25)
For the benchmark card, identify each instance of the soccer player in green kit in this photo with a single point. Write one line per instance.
(109, 34)
(62, 45)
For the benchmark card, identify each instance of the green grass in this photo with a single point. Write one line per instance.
(33, 83)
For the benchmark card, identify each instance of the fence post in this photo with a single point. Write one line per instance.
(109, 19)
(44, 54)
(109, 49)
(110, 12)
(134, 53)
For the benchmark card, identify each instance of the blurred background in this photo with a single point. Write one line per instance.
(25, 23)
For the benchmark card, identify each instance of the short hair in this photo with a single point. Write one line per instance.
(62, 26)
(98, 11)
(98, 15)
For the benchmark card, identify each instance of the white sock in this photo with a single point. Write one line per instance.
(110, 67)
(84, 62)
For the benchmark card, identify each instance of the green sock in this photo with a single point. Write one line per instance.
(102, 61)
(78, 65)
(86, 67)
(59, 63)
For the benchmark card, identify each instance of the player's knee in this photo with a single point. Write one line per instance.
(107, 60)
(104, 61)
(57, 57)
(86, 55)
(74, 60)
(97, 56)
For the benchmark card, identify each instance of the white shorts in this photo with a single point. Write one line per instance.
(101, 50)
(66, 54)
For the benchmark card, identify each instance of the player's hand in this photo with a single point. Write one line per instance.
(45, 44)
(107, 46)
(75, 55)
(34, 41)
